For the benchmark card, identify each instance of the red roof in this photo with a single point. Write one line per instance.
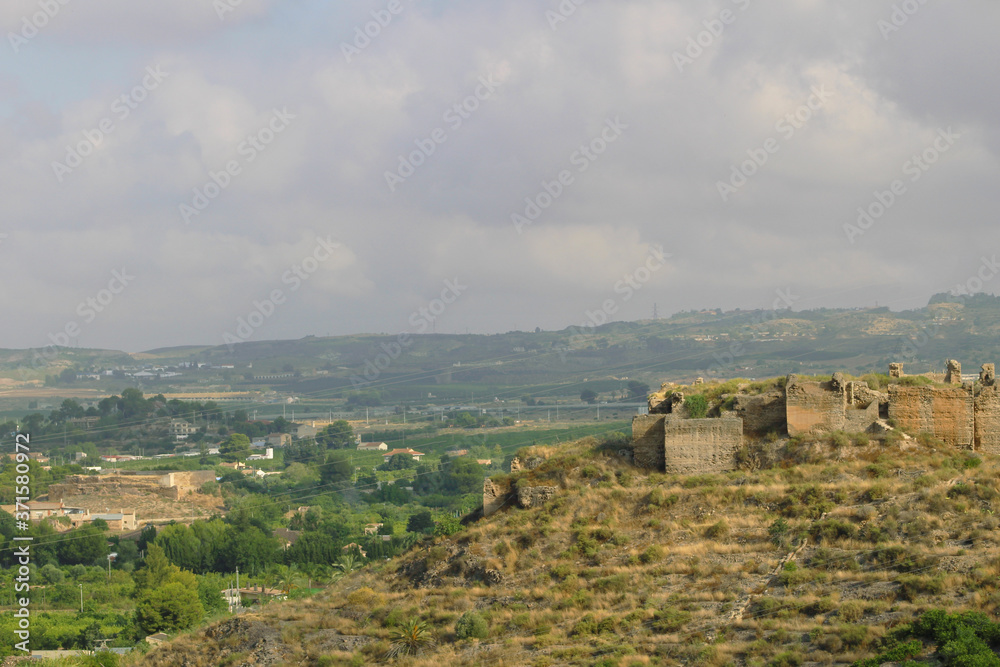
(411, 452)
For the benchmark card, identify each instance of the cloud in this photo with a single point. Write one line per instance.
(555, 91)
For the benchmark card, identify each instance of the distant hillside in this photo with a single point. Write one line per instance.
(711, 344)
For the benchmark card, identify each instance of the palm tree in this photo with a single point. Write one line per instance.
(289, 579)
(409, 639)
(348, 563)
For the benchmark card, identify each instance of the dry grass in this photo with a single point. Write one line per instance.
(647, 572)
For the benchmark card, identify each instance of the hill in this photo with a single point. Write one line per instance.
(708, 343)
(822, 558)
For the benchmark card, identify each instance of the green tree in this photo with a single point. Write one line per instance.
(235, 448)
(420, 522)
(399, 462)
(83, 546)
(637, 389)
(181, 546)
(337, 469)
(172, 606)
(588, 396)
(338, 435)
(463, 475)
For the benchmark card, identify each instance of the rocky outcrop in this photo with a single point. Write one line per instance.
(533, 496)
(530, 463)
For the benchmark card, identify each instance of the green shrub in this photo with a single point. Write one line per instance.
(851, 611)
(697, 406)
(670, 619)
(717, 530)
(471, 625)
(786, 659)
(658, 498)
(652, 554)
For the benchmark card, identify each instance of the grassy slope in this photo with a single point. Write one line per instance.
(630, 567)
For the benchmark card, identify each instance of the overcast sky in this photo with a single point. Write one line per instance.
(166, 166)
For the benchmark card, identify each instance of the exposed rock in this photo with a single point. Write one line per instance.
(837, 382)
(493, 577)
(896, 370)
(331, 640)
(657, 401)
(532, 496)
(262, 642)
(987, 375)
(530, 463)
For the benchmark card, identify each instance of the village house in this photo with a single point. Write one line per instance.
(117, 521)
(279, 439)
(372, 447)
(410, 452)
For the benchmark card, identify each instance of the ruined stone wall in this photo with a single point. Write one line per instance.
(494, 497)
(106, 485)
(180, 484)
(857, 419)
(701, 445)
(946, 412)
(814, 406)
(761, 414)
(987, 409)
(647, 441)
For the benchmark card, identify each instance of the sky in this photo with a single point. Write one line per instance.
(211, 171)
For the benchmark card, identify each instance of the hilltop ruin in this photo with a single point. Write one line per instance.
(962, 413)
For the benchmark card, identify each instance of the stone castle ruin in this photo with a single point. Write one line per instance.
(963, 414)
